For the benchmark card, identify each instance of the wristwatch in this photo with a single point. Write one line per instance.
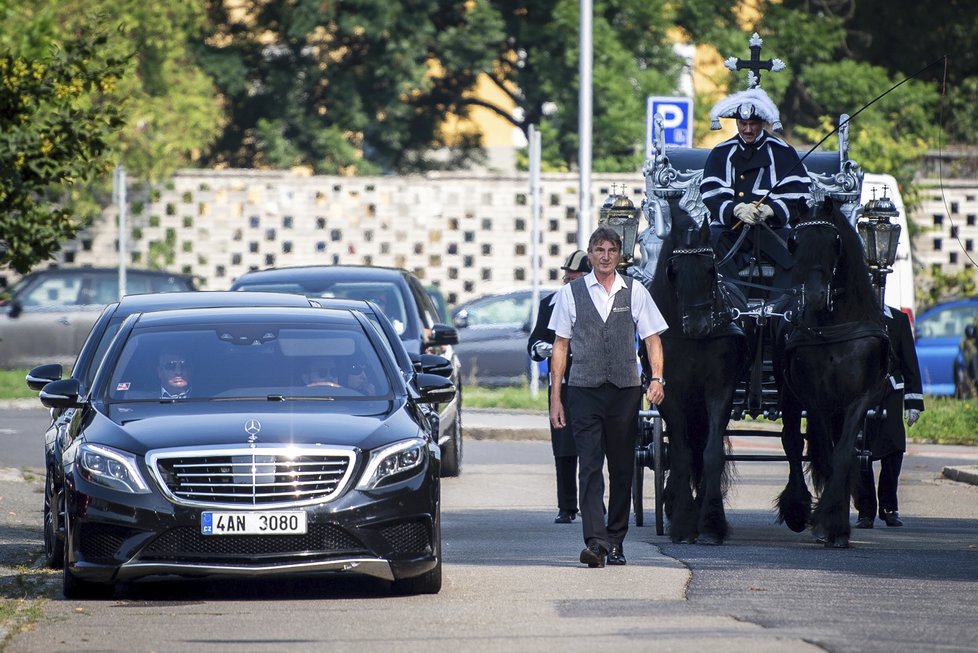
(659, 380)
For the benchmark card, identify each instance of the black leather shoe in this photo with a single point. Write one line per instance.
(593, 555)
(565, 517)
(864, 522)
(891, 517)
(617, 555)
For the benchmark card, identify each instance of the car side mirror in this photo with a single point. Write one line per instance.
(442, 334)
(16, 308)
(61, 394)
(971, 332)
(41, 375)
(435, 389)
(461, 320)
(435, 364)
(415, 362)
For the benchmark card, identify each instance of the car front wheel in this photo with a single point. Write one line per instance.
(451, 457)
(54, 543)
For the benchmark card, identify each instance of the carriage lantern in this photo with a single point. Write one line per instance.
(619, 213)
(880, 238)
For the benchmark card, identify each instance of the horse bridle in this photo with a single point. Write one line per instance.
(717, 318)
(829, 291)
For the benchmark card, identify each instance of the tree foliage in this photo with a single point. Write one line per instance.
(356, 86)
(55, 133)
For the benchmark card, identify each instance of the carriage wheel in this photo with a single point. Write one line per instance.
(638, 477)
(659, 453)
(638, 486)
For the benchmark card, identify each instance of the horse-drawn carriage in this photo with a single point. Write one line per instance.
(744, 347)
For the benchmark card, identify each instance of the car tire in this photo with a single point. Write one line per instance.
(430, 581)
(451, 455)
(74, 587)
(54, 543)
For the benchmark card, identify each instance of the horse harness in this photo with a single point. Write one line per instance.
(719, 301)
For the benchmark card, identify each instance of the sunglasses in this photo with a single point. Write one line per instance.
(173, 366)
(321, 372)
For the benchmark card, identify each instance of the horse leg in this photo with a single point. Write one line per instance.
(795, 501)
(832, 511)
(679, 504)
(713, 526)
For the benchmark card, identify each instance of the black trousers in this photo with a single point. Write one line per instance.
(865, 494)
(605, 425)
(566, 482)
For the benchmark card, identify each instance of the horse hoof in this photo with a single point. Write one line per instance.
(709, 540)
(838, 542)
(796, 525)
(819, 534)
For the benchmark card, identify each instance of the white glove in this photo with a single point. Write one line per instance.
(746, 212)
(911, 415)
(764, 212)
(543, 349)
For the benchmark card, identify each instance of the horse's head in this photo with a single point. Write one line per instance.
(817, 247)
(692, 274)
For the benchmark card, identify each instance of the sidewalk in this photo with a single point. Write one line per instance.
(491, 424)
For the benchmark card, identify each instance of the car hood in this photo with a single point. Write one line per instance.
(140, 427)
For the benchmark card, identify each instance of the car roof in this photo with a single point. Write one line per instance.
(951, 303)
(140, 303)
(360, 272)
(242, 314)
(107, 270)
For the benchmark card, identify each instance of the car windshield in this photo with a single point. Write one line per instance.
(386, 295)
(262, 360)
(948, 323)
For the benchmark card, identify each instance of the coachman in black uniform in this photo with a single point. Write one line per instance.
(753, 183)
(540, 347)
(903, 399)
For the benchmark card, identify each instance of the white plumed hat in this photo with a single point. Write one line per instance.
(750, 104)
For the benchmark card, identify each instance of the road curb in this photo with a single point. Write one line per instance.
(962, 474)
(506, 433)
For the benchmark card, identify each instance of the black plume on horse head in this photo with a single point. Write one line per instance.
(830, 265)
(685, 283)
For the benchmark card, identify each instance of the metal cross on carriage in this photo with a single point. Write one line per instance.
(672, 181)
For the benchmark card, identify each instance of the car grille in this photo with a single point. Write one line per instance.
(245, 476)
(187, 544)
(408, 537)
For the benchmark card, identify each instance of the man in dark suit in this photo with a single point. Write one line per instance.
(903, 399)
(540, 347)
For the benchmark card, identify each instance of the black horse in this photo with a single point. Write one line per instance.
(832, 362)
(705, 355)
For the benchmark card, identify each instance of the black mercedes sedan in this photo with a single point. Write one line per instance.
(248, 441)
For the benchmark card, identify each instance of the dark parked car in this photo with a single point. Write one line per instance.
(49, 312)
(966, 363)
(257, 466)
(99, 339)
(492, 333)
(938, 332)
(404, 300)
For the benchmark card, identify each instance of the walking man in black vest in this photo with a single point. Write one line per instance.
(540, 346)
(602, 312)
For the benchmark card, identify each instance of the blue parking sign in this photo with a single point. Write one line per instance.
(677, 114)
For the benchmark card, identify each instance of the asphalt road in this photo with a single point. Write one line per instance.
(513, 583)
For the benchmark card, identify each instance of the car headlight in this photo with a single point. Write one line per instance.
(112, 468)
(393, 460)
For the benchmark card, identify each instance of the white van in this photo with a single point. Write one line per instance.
(899, 283)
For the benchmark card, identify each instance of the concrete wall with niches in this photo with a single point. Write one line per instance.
(468, 234)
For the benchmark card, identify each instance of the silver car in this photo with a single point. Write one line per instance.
(49, 312)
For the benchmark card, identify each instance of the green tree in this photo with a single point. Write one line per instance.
(356, 86)
(538, 66)
(55, 131)
(172, 107)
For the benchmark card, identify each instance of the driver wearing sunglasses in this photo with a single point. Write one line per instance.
(175, 373)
